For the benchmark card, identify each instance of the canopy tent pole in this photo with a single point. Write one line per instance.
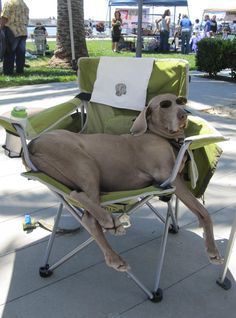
(174, 19)
(139, 31)
(188, 12)
(110, 17)
(73, 61)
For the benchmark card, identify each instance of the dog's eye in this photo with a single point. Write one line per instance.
(181, 100)
(165, 103)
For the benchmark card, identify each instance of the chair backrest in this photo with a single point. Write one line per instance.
(168, 76)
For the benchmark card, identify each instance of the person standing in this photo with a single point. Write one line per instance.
(164, 27)
(197, 26)
(14, 21)
(186, 31)
(116, 30)
(207, 26)
(213, 28)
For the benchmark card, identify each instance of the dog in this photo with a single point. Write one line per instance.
(91, 163)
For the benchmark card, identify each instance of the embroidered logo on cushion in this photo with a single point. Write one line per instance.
(120, 89)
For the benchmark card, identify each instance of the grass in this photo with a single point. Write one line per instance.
(39, 72)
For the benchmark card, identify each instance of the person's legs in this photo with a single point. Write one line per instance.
(184, 42)
(162, 38)
(188, 36)
(165, 41)
(20, 54)
(115, 40)
(9, 57)
(112, 44)
(177, 43)
(8, 63)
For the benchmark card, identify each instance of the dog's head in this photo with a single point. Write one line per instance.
(164, 116)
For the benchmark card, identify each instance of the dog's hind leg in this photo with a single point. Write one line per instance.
(111, 257)
(183, 193)
(82, 174)
(104, 218)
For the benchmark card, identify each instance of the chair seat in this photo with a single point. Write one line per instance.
(117, 201)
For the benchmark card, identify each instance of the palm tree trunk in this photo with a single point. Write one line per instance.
(63, 53)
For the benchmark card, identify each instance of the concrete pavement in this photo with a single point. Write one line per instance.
(84, 287)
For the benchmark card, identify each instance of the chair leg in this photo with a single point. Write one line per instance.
(157, 290)
(174, 228)
(157, 295)
(70, 254)
(44, 270)
(223, 281)
(140, 284)
(52, 236)
(176, 209)
(154, 210)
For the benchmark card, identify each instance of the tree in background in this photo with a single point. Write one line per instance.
(63, 54)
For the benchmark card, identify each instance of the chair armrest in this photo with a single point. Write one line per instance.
(42, 120)
(51, 117)
(191, 143)
(199, 141)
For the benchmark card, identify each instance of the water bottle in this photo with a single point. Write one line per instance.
(19, 115)
(28, 219)
(13, 146)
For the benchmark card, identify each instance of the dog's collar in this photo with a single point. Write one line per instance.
(176, 143)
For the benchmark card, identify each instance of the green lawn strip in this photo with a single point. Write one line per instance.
(39, 72)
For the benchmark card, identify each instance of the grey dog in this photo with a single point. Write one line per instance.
(91, 163)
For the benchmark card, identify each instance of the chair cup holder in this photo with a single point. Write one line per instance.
(12, 147)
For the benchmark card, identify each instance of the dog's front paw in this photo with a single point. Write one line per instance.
(215, 258)
(116, 262)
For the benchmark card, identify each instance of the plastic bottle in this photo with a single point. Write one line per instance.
(28, 219)
(19, 115)
(13, 146)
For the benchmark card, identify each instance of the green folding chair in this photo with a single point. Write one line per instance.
(81, 115)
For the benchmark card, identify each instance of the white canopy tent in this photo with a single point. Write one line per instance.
(229, 12)
(140, 4)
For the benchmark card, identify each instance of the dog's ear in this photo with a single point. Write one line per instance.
(139, 126)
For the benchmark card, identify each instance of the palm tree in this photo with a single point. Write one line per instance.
(63, 53)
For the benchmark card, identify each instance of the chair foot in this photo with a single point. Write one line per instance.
(173, 229)
(44, 271)
(157, 296)
(226, 284)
